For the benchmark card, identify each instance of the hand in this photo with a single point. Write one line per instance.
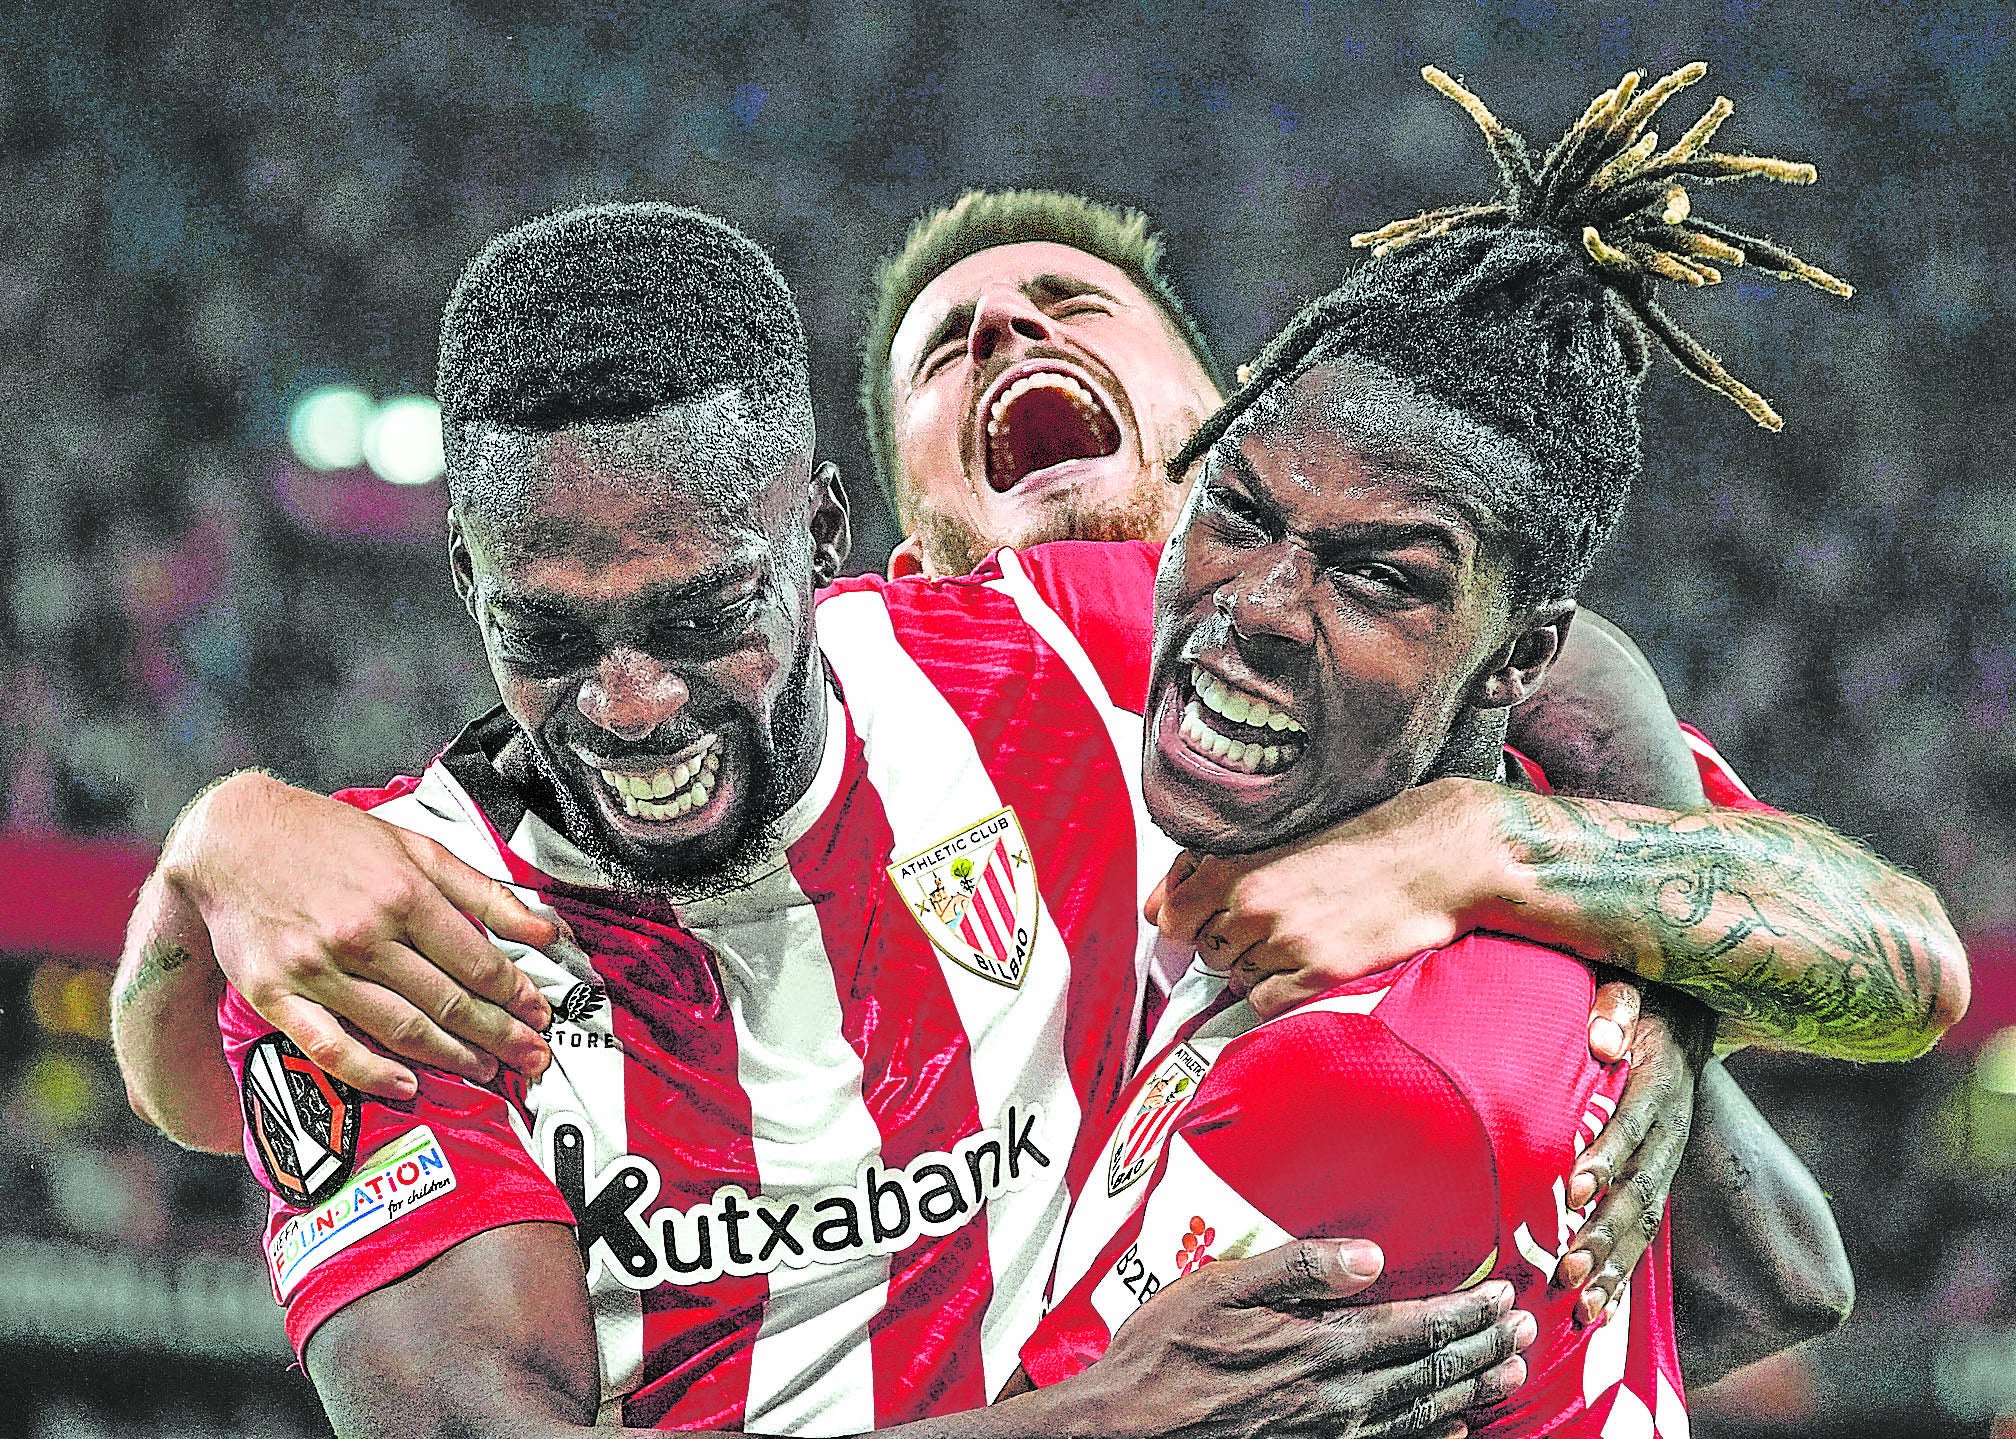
(1288, 924)
(1268, 1345)
(1633, 1161)
(318, 912)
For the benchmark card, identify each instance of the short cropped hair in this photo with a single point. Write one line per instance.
(609, 312)
(980, 220)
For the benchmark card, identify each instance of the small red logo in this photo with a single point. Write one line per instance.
(1196, 1250)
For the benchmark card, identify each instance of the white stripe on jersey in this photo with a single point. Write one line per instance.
(811, 1369)
(1126, 729)
(586, 1082)
(1706, 751)
(1017, 1035)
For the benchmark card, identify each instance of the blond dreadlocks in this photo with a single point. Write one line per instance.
(1533, 311)
(1629, 207)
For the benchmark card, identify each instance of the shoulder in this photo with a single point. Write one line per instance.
(1508, 1021)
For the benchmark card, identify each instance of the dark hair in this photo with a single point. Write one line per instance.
(1533, 312)
(608, 312)
(980, 220)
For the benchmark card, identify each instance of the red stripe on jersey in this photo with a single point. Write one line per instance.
(1051, 759)
(1719, 781)
(916, 1065)
(1105, 592)
(685, 1107)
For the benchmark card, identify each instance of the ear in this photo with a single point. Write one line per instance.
(832, 531)
(1522, 665)
(908, 559)
(460, 567)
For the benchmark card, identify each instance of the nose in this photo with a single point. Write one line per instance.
(630, 695)
(1270, 605)
(1004, 316)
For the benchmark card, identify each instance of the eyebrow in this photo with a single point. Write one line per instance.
(1380, 534)
(1046, 289)
(701, 588)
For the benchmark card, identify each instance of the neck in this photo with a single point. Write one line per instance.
(1476, 748)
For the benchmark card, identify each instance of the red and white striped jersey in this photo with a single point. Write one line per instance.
(813, 1133)
(1437, 1108)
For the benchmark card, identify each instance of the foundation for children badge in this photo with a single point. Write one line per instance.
(975, 896)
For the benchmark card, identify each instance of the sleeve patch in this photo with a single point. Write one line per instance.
(302, 1121)
(409, 1172)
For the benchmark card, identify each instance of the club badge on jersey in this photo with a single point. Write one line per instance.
(974, 895)
(1164, 1097)
(304, 1121)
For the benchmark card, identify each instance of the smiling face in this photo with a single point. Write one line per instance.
(644, 591)
(1036, 393)
(1334, 618)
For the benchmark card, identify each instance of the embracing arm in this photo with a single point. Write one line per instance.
(1757, 1259)
(495, 1337)
(1798, 936)
(318, 913)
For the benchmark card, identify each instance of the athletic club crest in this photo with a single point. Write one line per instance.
(974, 894)
(1163, 1099)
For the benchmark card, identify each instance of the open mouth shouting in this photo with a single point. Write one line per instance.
(1042, 414)
(1234, 729)
(658, 791)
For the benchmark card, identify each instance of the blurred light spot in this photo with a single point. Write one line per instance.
(328, 425)
(1995, 1065)
(402, 444)
(61, 1090)
(71, 1001)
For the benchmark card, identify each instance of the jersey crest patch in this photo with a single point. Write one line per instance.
(974, 895)
(1164, 1097)
(303, 1122)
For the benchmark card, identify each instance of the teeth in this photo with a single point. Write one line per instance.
(1047, 379)
(1232, 753)
(670, 792)
(1237, 706)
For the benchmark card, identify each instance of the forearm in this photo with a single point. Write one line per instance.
(1799, 937)
(164, 1023)
(164, 1009)
(1758, 1262)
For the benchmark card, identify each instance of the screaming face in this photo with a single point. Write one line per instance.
(1036, 393)
(644, 590)
(1333, 618)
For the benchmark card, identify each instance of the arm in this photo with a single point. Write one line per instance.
(317, 913)
(1758, 1262)
(496, 1337)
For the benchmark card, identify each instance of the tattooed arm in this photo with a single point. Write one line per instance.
(164, 1022)
(1798, 936)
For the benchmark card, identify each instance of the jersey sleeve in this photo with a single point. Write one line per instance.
(1719, 781)
(362, 1191)
(1320, 1125)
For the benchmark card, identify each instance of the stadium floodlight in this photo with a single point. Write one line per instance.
(402, 443)
(327, 427)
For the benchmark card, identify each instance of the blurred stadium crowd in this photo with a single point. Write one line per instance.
(211, 210)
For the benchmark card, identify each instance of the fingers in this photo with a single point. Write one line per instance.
(436, 925)
(1185, 864)
(452, 1011)
(1304, 1271)
(1426, 1397)
(1190, 898)
(1612, 1019)
(399, 1025)
(331, 1047)
(1405, 1330)
(1624, 1225)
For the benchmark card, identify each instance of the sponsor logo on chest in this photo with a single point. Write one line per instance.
(974, 895)
(734, 1232)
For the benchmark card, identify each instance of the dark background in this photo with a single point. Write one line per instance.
(208, 210)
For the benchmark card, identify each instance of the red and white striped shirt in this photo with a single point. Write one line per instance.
(1436, 1107)
(814, 1133)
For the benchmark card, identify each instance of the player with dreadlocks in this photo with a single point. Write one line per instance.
(1382, 549)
